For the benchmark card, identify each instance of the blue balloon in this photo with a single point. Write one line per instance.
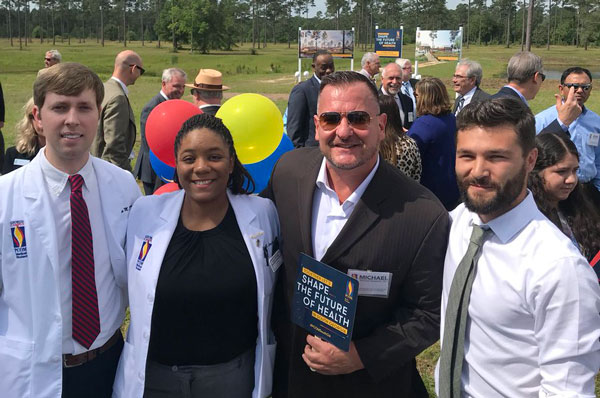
(261, 171)
(162, 170)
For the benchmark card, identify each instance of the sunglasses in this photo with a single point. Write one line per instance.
(357, 119)
(576, 86)
(542, 75)
(48, 59)
(142, 70)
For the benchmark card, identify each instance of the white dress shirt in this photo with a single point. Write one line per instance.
(397, 99)
(111, 304)
(164, 95)
(328, 215)
(408, 90)
(467, 99)
(533, 319)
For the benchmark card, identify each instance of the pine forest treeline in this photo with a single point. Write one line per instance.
(205, 25)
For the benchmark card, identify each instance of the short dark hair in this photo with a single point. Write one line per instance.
(578, 70)
(346, 78)
(240, 180)
(501, 112)
(69, 79)
(318, 53)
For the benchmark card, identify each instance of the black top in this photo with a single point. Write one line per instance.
(13, 155)
(205, 309)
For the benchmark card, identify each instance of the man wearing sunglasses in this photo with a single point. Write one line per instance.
(116, 128)
(345, 206)
(52, 57)
(582, 124)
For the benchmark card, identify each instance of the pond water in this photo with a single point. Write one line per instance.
(556, 74)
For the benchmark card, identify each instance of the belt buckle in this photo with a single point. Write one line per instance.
(66, 365)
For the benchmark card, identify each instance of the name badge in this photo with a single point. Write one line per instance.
(276, 259)
(593, 139)
(411, 117)
(20, 162)
(373, 284)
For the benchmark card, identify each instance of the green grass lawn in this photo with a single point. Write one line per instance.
(270, 72)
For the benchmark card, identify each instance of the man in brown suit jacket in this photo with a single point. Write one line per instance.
(116, 128)
(343, 205)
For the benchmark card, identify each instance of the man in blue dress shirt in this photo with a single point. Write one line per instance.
(576, 85)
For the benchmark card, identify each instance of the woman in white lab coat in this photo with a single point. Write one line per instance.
(201, 270)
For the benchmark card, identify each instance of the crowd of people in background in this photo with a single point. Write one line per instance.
(481, 218)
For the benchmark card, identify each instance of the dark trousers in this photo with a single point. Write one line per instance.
(233, 379)
(93, 379)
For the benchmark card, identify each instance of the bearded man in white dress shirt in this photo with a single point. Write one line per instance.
(520, 311)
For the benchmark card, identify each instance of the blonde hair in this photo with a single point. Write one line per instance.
(27, 138)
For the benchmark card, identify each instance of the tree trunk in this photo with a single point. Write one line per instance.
(102, 25)
(142, 24)
(549, 22)
(9, 23)
(156, 18)
(529, 25)
(254, 24)
(508, 26)
(19, 24)
(53, 30)
(523, 27)
(124, 23)
(468, 21)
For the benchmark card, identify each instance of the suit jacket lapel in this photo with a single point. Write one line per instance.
(306, 189)
(365, 214)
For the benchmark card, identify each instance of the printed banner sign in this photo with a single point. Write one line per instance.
(325, 302)
(438, 45)
(340, 43)
(388, 43)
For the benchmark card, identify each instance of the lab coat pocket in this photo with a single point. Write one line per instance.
(16, 361)
(125, 377)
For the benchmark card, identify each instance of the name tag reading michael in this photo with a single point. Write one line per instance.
(370, 283)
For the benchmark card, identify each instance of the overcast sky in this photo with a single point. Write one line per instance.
(320, 6)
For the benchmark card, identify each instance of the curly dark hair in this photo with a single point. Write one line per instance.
(581, 215)
(240, 180)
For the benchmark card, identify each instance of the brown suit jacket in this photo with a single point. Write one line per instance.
(398, 226)
(116, 129)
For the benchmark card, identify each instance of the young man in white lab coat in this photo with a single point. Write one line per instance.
(63, 220)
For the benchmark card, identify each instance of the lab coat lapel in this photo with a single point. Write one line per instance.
(38, 212)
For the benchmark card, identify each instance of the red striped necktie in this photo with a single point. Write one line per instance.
(86, 318)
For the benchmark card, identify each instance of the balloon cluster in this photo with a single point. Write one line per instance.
(255, 124)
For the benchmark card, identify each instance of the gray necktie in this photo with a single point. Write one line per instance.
(461, 102)
(452, 356)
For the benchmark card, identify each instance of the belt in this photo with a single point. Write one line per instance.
(70, 361)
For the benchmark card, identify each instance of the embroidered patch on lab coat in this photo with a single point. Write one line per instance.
(146, 245)
(17, 231)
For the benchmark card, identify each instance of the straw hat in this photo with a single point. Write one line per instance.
(209, 80)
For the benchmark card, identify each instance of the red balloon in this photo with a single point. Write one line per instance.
(170, 187)
(162, 126)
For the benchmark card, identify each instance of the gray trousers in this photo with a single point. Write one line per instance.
(233, 379)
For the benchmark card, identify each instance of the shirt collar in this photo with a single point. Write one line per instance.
(470, 93)
(123, 86)
(164, 95)
(323, 182)
(57, 180)
(510, 223)
(519, 93)
(315, 76)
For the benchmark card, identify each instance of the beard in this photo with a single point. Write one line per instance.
(501, 202)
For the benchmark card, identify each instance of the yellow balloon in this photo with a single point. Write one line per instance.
(255, 124)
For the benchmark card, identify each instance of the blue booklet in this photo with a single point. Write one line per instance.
(325, 302)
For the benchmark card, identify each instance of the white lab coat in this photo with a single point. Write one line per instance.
(156, 218)
(30, 317)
